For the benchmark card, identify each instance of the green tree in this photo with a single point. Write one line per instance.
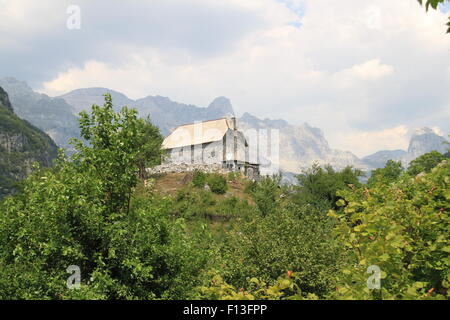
(150, 151)
(391, 171)
(266, 194)
(82, 212)
(293, 239)
(318, 186)
(402, 228)
(425, 162)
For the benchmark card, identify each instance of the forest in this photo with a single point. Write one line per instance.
(330, 236)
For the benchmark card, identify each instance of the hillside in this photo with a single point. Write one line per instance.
(21, 144)
(52, 115)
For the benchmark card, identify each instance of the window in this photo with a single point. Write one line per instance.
(213, 154)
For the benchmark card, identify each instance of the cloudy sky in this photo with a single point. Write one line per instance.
(367, 72)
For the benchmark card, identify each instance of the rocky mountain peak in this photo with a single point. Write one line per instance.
(425, 140)
(220, 106)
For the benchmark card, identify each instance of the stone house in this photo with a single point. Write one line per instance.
(210, 143)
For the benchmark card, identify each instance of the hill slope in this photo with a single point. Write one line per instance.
(21, 144)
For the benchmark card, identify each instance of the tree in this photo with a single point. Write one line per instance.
(318, 186)
(388, 174)
(83, 212)
(434, 4)
(402, 229)
(121, 145)
(425, 163)
(150, 151)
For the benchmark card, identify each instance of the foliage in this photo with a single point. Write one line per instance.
(318, 186)
(149, 143)
(217, 183)
(199, 179)
(425, 163)
(403, 228)
(390, 173)
(285, 288)
(82, 213)
(22, 145)
(292, 239)
(266, 194)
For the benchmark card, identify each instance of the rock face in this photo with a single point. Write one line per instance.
(52, 115)
(21, 144)
(379, 159)
(423, 140)
(165, 113)
(301, 146)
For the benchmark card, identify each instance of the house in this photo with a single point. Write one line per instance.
(208, 143)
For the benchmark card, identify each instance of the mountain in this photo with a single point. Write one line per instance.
(21, 144)
(422, 141)
(379, 159)
(301, 145)
(54, 116)
(165, 113)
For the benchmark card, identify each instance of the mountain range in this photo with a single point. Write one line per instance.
(301, 145)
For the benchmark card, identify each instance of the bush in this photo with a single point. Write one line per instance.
(217, 183)
(266, 194)
(402, 228)
(199, 179)
(293, 239)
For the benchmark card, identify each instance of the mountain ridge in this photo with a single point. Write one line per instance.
(302, 144)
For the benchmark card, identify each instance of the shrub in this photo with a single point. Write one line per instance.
(217, 183)
(402, 228)
(199, 179)
(293, 239)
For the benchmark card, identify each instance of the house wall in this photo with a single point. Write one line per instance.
(235, 149)
(209, 153)
(232, 148)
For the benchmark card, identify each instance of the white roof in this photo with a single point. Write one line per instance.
(196, 133)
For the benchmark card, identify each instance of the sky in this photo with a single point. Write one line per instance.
(366, 72)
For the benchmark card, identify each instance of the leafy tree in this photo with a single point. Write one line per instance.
(434, 4)
(150, 151)
(402, 228)
(425, 163)
(391, 171)
(318, 186)
(82, 213)
(266, 194)
(265, 247)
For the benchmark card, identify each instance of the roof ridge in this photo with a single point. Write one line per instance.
(202, 121)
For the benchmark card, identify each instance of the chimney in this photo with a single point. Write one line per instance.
(232, 123)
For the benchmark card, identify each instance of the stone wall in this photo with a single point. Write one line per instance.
(186, 167)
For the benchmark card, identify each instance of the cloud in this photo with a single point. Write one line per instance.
(352, 67)
(368, 141)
